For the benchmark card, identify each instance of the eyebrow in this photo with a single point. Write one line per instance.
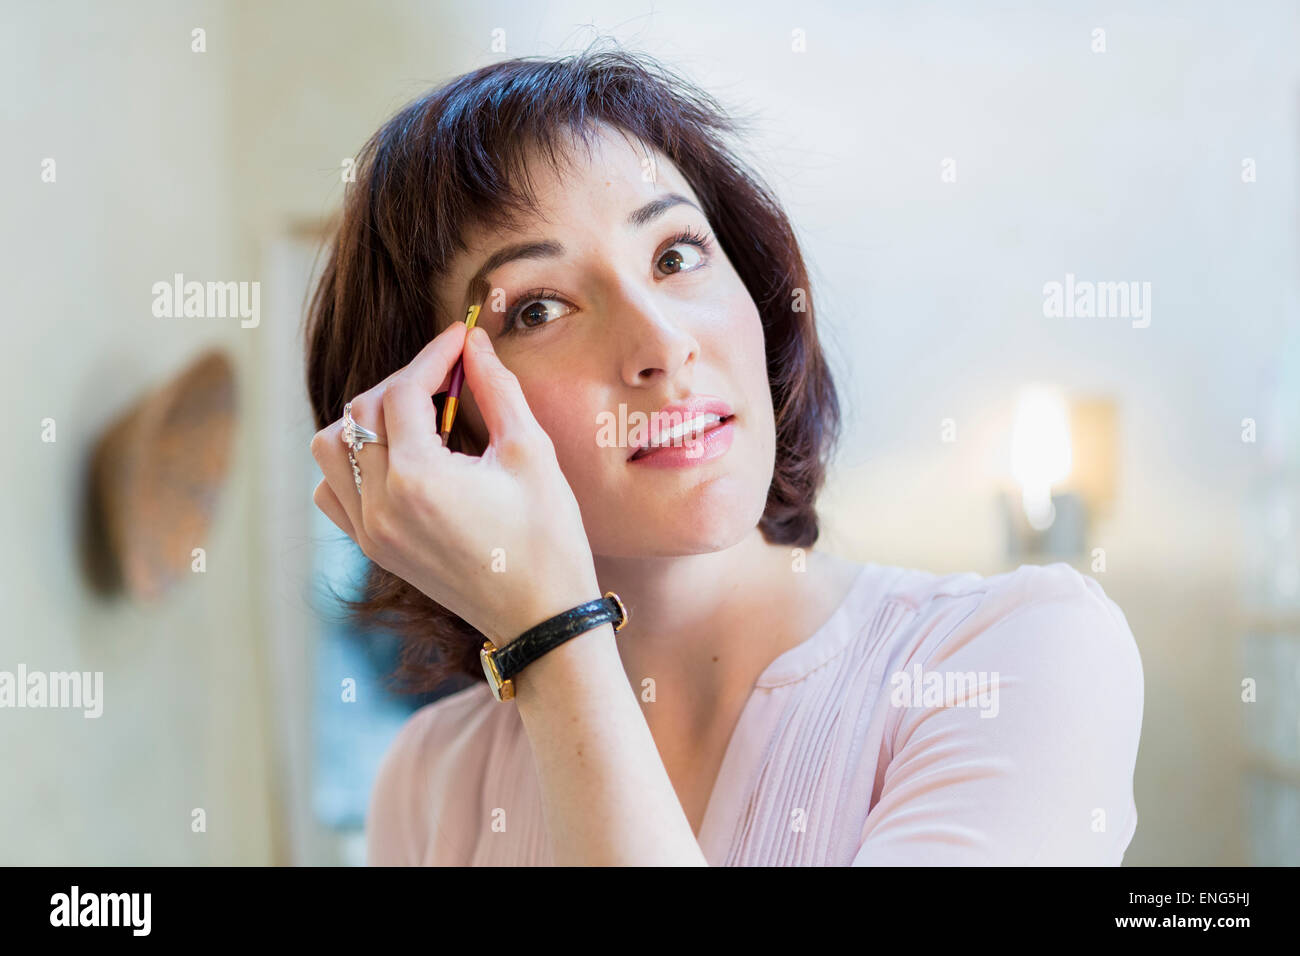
(550, 249)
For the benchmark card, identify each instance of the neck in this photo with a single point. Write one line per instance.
(707, 623)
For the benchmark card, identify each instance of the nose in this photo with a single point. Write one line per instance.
(653, 344)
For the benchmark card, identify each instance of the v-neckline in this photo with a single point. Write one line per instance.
(718, 824)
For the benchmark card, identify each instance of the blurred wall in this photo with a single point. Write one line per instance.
(1123, 165)
(140, 131)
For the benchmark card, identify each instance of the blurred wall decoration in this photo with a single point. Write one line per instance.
(155, 478)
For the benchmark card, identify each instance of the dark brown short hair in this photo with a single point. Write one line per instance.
(458, 155)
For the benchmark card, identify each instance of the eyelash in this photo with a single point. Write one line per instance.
(509, 327)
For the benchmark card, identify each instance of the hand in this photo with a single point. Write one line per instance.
(436, 518)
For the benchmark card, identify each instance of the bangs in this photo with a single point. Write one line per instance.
(471, 150)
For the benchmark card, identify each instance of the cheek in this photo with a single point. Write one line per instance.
(739, 334)
(742, 341)
(565, 415)
(747, 358)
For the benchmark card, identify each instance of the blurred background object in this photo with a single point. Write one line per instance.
(1270, 612)
(1063, 461)
(942, 164)
(155, 478)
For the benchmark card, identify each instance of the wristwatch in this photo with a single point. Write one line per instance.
(502, 664)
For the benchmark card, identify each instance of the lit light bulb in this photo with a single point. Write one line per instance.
(1040, 451)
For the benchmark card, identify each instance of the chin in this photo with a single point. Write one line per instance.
(714, 524)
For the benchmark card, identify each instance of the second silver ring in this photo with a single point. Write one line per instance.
(355, 436)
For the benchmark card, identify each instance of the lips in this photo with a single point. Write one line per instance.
(679, 423)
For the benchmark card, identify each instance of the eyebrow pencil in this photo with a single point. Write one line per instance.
(478, 291)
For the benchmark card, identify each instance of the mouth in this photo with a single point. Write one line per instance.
(682, 436)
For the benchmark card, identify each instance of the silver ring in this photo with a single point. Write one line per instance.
(355, 436)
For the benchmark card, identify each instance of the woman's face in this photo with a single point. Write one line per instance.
(620, 313)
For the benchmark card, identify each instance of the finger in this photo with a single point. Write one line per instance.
(329, 503)
(412, 423)
(331, 455)
(442, 386)
(328, 450)
(436, 358)
(497, 392)
(367, 409)
(370, 402)
(371, 459)
(431, 368)
(409, 415)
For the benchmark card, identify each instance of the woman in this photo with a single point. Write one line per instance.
(765, 702)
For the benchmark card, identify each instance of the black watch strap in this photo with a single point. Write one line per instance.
(550, 634)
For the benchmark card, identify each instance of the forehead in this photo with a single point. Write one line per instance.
(603, 177)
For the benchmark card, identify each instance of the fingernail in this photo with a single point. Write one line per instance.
(478, 338)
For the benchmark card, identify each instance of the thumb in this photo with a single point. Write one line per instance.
(497, 392)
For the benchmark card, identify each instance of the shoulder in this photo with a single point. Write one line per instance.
(1057, 661)
(1027, 583)
(438, 749)
(1049, 613)
(1015, 710)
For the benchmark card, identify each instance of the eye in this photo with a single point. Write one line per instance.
(534, 311)
(687, 254)
(689, 251)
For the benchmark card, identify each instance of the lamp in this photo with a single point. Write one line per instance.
(1063, 468)
(1040, 452)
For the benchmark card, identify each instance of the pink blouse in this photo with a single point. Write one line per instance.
(953, 719)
